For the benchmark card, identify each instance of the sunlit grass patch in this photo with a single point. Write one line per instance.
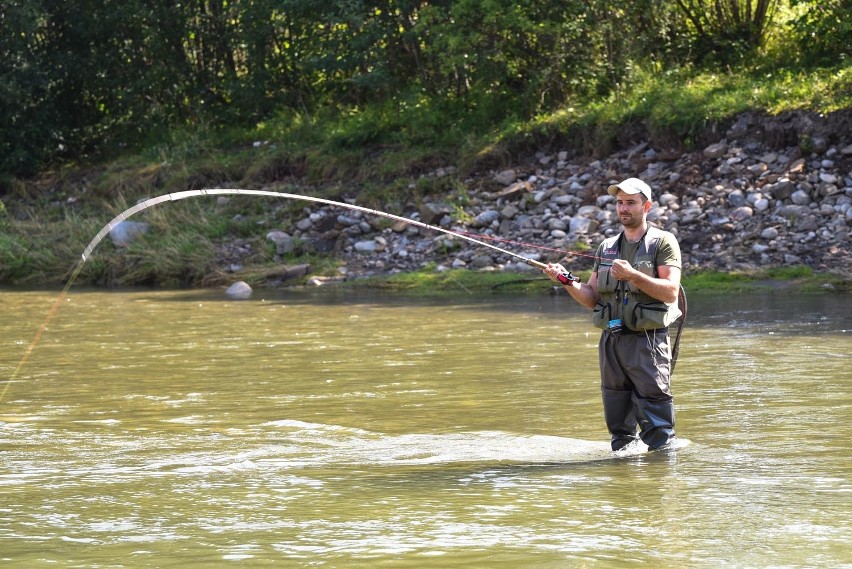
(800, 277)
(430, 281)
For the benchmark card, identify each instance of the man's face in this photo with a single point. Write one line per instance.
(631, 209)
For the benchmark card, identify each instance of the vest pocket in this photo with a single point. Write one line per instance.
(601, 315)
(605, 281)
(652, 315)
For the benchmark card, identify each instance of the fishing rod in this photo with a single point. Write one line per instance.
(681, 296)
(563, 278)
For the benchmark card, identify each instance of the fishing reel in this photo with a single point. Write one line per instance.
(567, 278)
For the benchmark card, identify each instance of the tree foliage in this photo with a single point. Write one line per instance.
(728, 29)
(823, 30)
(87, 77)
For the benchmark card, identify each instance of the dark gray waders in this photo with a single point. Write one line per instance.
(656, 421)
(635, 387)
(619, 417)
(623, 408)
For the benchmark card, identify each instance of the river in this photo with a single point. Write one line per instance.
(341, 429)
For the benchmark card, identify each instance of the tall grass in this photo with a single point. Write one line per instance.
(676, 105)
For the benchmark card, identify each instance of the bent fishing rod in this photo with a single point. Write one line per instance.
(563, 278)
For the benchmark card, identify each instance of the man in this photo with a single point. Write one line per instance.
(633, 292)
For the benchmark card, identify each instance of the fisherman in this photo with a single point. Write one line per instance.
(633, 292)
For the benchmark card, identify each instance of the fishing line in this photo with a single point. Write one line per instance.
(176, 196)
(50, 314)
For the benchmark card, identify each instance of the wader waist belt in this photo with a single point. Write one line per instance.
(629, 331)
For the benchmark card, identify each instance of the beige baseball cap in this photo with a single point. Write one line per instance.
(631, 186)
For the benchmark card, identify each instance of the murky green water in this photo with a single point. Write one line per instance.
(177, 429)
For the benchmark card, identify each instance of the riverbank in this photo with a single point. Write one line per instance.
(748, 209)
(767, 199)
(766, 206)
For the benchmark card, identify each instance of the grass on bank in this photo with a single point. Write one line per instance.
(463, 281)
(676, 106)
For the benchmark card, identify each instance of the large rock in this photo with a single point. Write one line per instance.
(126, 232)
(240, 290)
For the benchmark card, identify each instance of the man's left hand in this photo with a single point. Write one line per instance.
(622, 270)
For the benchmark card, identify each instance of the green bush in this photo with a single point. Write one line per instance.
(822, 31)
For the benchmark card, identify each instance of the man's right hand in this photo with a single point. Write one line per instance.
(553, 270)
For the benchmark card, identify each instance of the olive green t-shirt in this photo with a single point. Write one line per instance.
(667, 253)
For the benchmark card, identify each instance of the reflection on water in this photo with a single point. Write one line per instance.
(155, 429)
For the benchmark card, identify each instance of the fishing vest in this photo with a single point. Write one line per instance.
(624, 301)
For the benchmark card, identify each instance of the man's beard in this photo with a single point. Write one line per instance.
(630, 221)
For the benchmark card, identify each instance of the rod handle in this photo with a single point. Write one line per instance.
(563, 278)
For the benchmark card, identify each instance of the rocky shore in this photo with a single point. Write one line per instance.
(768, 193)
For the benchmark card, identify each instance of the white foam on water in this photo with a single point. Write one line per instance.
(330, 444)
